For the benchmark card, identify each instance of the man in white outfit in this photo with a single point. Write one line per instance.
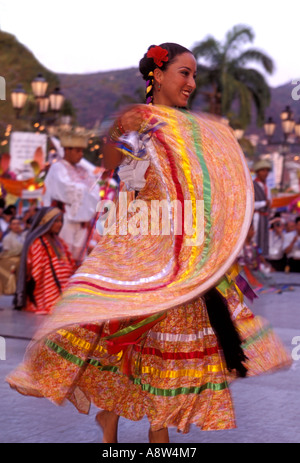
(262, 205)
(71, 187)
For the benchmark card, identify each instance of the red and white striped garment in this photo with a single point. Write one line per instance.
(46, 291)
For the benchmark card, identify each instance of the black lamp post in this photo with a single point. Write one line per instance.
(288, 126)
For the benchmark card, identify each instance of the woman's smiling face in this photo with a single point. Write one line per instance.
(177, 82)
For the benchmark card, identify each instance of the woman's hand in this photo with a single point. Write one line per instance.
(131, 120)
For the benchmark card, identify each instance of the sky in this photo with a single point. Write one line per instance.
(72, 36)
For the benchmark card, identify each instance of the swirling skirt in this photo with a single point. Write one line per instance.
(175, 374)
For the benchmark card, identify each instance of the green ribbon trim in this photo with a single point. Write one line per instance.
(261, 334)
(137, 381)
(224, 285)
(181, 390)
(147, 387)
(131, 328)
(64, 354)
(206, 187)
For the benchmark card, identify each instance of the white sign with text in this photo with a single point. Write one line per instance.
(26, 147)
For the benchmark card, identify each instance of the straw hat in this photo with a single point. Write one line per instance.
(262, 164)
(74, 138)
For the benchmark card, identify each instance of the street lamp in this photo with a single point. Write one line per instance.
(288, 126)
(297, 129)
(39, 87)
(269, 127)
(286, 113)
(56, 100)
(18, 98)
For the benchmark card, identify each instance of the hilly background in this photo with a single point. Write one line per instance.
(95, 96)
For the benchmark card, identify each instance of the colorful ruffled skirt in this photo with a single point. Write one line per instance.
(131, 333)
(176, 375)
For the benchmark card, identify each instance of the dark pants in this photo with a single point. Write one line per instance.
(278, 265)
(294, 265)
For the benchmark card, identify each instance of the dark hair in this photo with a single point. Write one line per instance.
(147, 65)
(8, 211)
(297, 220)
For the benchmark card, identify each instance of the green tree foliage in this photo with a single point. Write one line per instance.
(226, 80)
(19, 66)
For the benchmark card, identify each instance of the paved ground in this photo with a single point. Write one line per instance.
(267, 408)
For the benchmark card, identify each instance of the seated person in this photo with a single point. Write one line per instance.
(276, 255)
(46, 264)
(12, 246)
(12, 243)
(5, 219)
(292, 247)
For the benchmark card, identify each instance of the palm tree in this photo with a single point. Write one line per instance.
(222, 68)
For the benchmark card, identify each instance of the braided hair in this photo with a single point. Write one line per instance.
(147, 65)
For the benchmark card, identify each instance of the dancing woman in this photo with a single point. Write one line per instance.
(154, 324)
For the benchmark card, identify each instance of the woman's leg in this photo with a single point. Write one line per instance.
(159, 437)
(108, 421)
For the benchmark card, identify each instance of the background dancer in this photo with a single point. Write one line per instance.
(72, 188)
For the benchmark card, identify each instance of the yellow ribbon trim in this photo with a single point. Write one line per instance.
(81, 343)
(231, 275)
(171, 374)
(187, 171)
(97, 293)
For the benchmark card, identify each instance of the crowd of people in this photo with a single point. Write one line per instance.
(273, 241)
(43, 244)
(35, 263)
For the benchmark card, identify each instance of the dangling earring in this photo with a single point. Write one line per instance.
(159, 87)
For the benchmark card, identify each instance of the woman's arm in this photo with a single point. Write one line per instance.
(130, 121)
(112, 157)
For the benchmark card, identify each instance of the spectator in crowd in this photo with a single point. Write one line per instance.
(276, 255)
(46, 264)
(262, 205)
(252, 261)
(290, 226)
(5, 221)
(12, 246)
(292, 247)
(13, 241)
(12, 209)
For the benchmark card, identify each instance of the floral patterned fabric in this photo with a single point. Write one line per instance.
(132, 333)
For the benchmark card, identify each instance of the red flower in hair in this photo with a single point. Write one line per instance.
(158, 54)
